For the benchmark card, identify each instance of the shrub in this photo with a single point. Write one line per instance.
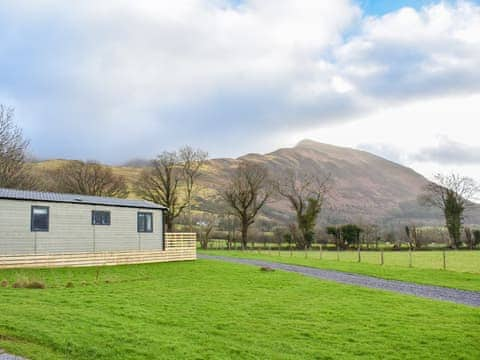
(344, 235)
(69, 285)
(19, 284)
(35, 285)
(28, 284)
(351, 234)
(476, 237)
(4, 283)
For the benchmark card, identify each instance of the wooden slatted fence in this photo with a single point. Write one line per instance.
(179, 247)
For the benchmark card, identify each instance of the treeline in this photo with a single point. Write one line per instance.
(342, 237)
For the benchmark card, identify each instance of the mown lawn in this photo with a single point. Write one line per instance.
(214, 310)
(421, 275)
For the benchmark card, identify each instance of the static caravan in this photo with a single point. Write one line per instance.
(54, 229)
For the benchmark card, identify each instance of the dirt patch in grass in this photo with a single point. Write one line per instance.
(267, 269)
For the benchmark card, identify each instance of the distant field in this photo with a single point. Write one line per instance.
(215, 310)
(463, 267)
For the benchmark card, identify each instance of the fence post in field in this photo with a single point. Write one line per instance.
(410, 262)
(321, 251)
(291, 250)
(306, 251)
(279, 249)
(359, 254)
(338, 254)
(381, 258)
(444, 260)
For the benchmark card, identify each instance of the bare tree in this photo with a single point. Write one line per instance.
(229, 223)
(209, 219)
(412, 237)
(206, 224)
(192, 162)
(452, 194)
(246, 193)
(370, 234)
(13, 153)
(88, 178)
(160, 183)
(469, 238)
(306, 194)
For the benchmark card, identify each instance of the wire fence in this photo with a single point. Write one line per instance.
(445, 259)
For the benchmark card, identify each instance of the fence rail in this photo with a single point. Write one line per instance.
(180, 240)
(452, 260)
(179, 247)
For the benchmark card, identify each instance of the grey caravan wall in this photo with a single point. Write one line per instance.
(71, 229)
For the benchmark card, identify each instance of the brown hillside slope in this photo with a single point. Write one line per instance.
(365, 187)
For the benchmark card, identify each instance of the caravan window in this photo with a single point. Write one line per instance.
(40, 218)
(145, 222)
(100, 217)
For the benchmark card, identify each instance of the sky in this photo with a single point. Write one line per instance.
(116, 80)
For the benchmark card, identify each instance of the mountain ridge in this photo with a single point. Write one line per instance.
(357, 175)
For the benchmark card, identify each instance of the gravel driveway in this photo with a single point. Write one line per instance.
(471, 298)
(5, 356)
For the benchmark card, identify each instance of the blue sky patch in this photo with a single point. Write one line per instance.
(381, 7)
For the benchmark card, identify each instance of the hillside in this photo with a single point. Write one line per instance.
(366, 188)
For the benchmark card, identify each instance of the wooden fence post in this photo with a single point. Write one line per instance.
(381, 258)
(291, 254)
(306, 251)
(338, 254)
(359, 255)
(321, 252)
(410, 262)
(444, 260)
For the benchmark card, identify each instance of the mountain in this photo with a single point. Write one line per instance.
(366, 187)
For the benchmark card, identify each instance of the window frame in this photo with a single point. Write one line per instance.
(144, 230)
(32, 226)
(102, 212)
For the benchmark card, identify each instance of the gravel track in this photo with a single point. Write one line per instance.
(471, 298)
(5, 356)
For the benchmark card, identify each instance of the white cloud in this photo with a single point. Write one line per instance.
(419, 135)
(341, 85)
(412, 53)
(449, 152)
(118, 79)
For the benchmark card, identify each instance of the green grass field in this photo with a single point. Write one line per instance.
(214, 310)
(463, 267)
